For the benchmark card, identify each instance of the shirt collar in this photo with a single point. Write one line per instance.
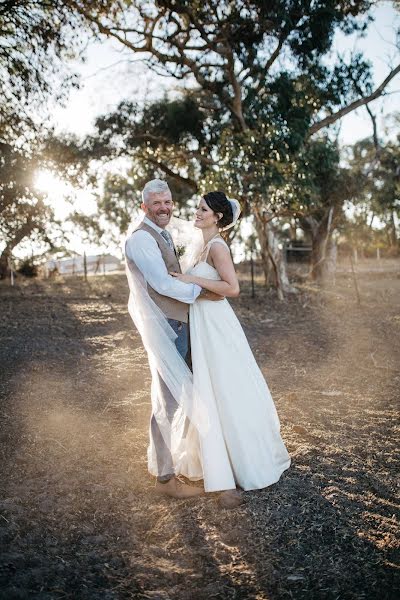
(153, 225)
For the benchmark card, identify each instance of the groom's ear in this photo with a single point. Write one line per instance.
(143, 207)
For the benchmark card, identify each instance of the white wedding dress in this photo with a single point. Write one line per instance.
(242, 445)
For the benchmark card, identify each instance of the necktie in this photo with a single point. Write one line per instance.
(167, 237)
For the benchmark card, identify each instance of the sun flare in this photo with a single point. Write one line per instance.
(51, 185)
(62, 196)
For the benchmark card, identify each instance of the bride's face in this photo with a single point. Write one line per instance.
(205, 216)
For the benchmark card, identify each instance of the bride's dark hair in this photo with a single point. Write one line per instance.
(219, 203)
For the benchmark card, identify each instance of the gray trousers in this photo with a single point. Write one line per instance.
(163, 454)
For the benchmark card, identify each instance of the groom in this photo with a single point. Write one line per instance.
(151, 249)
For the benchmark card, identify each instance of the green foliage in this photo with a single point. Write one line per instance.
(119, 200)
(116, 206)
(377, 196)
(161, 124)
(175, 121)
(35, 40)
(260, 79)
(160, 138)
(22, 207)
(321, 175)
(67, 156)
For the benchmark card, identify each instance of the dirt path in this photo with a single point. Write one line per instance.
(77, 515)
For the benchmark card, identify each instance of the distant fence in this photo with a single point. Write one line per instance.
(297, 252)
(83, 265)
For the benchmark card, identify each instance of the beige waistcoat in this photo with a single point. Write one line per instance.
(172, 309)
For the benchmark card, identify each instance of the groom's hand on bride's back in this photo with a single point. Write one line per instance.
(204, 294)
(207, 295)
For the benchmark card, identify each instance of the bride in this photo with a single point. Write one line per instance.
(242, 446)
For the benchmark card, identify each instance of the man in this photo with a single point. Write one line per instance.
(150, 249)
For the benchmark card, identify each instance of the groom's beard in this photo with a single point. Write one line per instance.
(161, 218)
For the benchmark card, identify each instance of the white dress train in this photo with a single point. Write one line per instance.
(242, 445)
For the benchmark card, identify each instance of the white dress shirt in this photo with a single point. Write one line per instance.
(143, 249)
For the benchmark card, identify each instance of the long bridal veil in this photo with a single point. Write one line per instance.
(188, 241)
(158, 339)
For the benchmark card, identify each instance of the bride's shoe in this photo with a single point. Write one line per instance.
(175, 489)
(231, 499)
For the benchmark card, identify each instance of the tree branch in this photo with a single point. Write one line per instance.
(179, 57)
(375, 131)
(353, 105)
(236, 104)
(187, 181)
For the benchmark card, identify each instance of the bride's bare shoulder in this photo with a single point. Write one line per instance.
(219, 250)
(218, 243)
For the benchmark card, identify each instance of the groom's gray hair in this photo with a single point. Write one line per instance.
(155, 186)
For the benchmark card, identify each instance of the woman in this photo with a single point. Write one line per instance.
(242, 446)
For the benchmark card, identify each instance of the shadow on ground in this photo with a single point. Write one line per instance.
(78, 518)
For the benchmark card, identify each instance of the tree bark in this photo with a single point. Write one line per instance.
(273, 261)
(393, 232)
(263, 240)
(4, 262)
(24, 231)
(323, 259)
(323, 252)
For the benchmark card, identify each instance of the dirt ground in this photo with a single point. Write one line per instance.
(78, 517)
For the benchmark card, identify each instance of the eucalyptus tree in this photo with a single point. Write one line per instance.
(37, 39)
(156, 139)
(326, 187)
(386, 194)
(23, 210)
(259, 72)
(377, 199)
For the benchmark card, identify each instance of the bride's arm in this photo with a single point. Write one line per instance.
(229, 285)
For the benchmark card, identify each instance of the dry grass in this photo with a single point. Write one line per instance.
(77, 515)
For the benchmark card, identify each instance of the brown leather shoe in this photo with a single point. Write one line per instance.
(231, 499)
(175, 489)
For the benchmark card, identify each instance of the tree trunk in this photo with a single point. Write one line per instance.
(393, 232)
(317, 259)
(293, 230)
(323, 259)
(323, 253)
(265, 261)
(5, 262)
(24, 231)
(273, 261)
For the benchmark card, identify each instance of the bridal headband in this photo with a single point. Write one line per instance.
(235, 212)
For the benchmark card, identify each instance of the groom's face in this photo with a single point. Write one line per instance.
(158, 208)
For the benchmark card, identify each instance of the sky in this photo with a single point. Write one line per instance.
(110, 75)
